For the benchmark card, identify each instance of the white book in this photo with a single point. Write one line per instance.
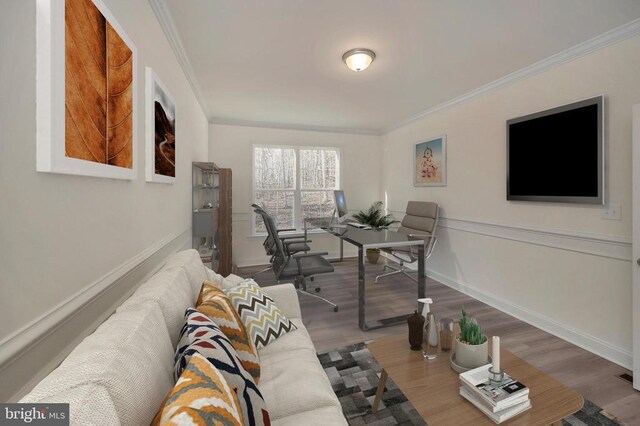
(503, 405)
(501, 415)
(500, 396)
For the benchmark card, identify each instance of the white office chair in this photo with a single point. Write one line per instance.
(420, 221)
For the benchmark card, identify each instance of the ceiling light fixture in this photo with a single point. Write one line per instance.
(358, 59)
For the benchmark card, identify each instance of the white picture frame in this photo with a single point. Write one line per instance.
(430, 162)
(51, 156)
(155, 90)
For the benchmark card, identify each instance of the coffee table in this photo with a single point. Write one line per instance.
(433, 387)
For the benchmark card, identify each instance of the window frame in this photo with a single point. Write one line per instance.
(297, 191)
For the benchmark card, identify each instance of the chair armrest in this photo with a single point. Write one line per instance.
(286, 230)
(286, 298)
(295, 241)
(317, 253)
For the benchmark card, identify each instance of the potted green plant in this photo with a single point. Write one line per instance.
(376, 219)
(471, 345)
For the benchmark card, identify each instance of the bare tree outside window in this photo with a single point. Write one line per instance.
(294, 183)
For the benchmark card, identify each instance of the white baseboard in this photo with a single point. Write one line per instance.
(592, 344)
(30, 353)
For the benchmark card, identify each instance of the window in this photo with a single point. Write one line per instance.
(292, 183)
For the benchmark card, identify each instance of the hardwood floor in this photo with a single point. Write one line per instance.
(593, 377)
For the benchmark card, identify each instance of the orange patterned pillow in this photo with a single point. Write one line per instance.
(215, 304)
(201, 396)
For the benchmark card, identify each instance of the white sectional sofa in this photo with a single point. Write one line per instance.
(121, 373)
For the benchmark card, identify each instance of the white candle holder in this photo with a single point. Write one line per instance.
(495, 377)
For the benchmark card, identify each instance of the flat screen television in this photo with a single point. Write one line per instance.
(557, 155)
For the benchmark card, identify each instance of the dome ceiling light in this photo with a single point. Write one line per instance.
(358, 59)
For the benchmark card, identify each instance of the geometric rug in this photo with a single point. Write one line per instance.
(354, 375)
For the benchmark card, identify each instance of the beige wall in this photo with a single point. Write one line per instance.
(231, 146)
(60, 234)
(560, 266)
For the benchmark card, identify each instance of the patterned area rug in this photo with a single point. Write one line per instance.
(353, 373)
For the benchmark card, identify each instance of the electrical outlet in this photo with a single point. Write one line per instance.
(612, 212)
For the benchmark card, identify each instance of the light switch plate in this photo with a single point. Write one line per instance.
(612, 212)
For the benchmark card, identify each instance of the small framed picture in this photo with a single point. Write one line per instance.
(160, 131)
(430, 162)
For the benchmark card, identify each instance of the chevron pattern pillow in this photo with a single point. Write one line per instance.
(259, 313)
(215, 304)
(201, 396)
(202, 336)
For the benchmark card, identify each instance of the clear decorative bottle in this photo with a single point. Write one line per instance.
(431, 337)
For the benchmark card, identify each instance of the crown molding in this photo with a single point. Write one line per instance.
(163, 15)
(599, 42)
(288, 126)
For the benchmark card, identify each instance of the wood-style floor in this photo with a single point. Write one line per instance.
(593, 377)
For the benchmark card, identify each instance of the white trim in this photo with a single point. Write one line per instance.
(609, 246)
(601, 41)
(163, 15)
(40, 327)
(290, 126)
(592, 344)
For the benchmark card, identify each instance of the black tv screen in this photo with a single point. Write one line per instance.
(556, 155)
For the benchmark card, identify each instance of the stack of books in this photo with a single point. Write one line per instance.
(500, 402)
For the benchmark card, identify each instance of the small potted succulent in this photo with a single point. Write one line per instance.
(471, 345)
(376, 219)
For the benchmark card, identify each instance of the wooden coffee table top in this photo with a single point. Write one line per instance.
(433, 387)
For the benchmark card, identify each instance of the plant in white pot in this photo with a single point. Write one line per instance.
(471, 345)
(376, 219)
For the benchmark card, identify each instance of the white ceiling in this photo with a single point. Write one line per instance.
(278, 62)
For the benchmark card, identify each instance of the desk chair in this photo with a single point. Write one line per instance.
(294, 244)
(420, 221)
(298, 266)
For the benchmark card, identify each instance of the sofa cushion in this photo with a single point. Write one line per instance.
(318, 417)
(259, 313)
(203, 336)
(171, 290)
(283, 374)
(214, 303)
(89, 404)
(201, 396)
(295, 339)
(130, 355)
(190, 261)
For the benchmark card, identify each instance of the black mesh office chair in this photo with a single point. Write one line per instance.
(298, 266)
(293, 244)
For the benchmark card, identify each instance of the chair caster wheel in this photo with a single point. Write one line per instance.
(335, 309)
(317, 289)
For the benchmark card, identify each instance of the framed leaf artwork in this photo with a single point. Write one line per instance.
(85, 91)
(160, 120)
(430, 162)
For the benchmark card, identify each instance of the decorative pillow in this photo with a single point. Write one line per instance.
(201, 335)
(215, 304)
(200, 396)
(259, 313)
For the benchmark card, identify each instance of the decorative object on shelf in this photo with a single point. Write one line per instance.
(430, 162)
(358, 59)
(416, 325)
(160, 123)
(431, 337)
(86, 95)
(376, 219)
(446, 334)
(471, 345)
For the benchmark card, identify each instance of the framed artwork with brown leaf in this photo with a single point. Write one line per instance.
(160, 123)
(85, 91)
